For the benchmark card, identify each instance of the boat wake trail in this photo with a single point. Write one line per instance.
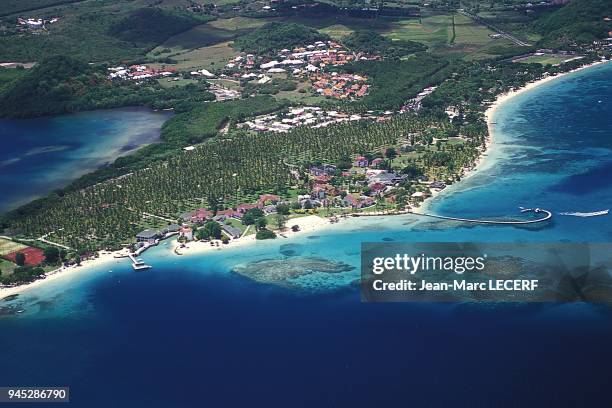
(585, 214)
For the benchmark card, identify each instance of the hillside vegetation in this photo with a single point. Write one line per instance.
(205, 120)
(393, 84)
(580, 21)
(373, 43)
(277, 36)
(153, 26)
(63, 84)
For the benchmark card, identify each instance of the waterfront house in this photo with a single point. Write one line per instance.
(232, 232)
(148, 236)
(187, 233)
(171, 229)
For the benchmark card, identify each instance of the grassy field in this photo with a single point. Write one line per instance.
(469, 39)
(209, 57)
(433, 31)
(207, 45)
(6, 267)
(306, 98)
(544, 59)
(239, 23)
(174, 82)
(337, 31)
(7, 246)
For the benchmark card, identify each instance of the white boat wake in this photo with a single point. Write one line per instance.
(586, 214)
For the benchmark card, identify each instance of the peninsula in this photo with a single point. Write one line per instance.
(290, 121)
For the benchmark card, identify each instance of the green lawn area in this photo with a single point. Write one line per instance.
(544, 59)
(239, 23)
(337, 31)
(6, 267)
(433, 31)
(174, 82)
(237, 224)
(304, 98)
(209, 57)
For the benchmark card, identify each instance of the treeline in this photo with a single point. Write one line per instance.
(373, 43)
(276, 36)
(63, 84)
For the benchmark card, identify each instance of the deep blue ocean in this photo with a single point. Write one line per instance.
(191, 333)
(40, 155)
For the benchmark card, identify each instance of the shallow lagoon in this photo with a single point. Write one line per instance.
(42, 154)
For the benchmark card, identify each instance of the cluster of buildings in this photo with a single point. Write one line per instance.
(223, 94)
(306, 62)
(375, 184)
(415, 103)
(298, 61)
(138, 72)
(312, 116)
(36, 23)
(340, 86)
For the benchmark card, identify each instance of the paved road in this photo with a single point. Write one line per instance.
(492, 27)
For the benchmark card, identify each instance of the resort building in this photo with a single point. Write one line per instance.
(186, 232)
(148, 236)
(232, 232)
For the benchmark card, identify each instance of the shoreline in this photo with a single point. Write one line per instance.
(309, 223)
(500, 100)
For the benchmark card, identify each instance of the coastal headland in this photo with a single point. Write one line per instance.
(305, 223)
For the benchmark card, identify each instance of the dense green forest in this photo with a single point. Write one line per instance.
(97, 30)
(580, 21)
(204, 121)
(394, 83)
(62, 84)
(373, 43)
(277, 36)
(151, 26)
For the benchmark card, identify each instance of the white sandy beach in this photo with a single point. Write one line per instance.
(490, 140)
(63, 273)
(309, 223)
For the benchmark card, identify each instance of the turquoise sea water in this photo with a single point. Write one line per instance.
(190, 332)
(39, 155)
